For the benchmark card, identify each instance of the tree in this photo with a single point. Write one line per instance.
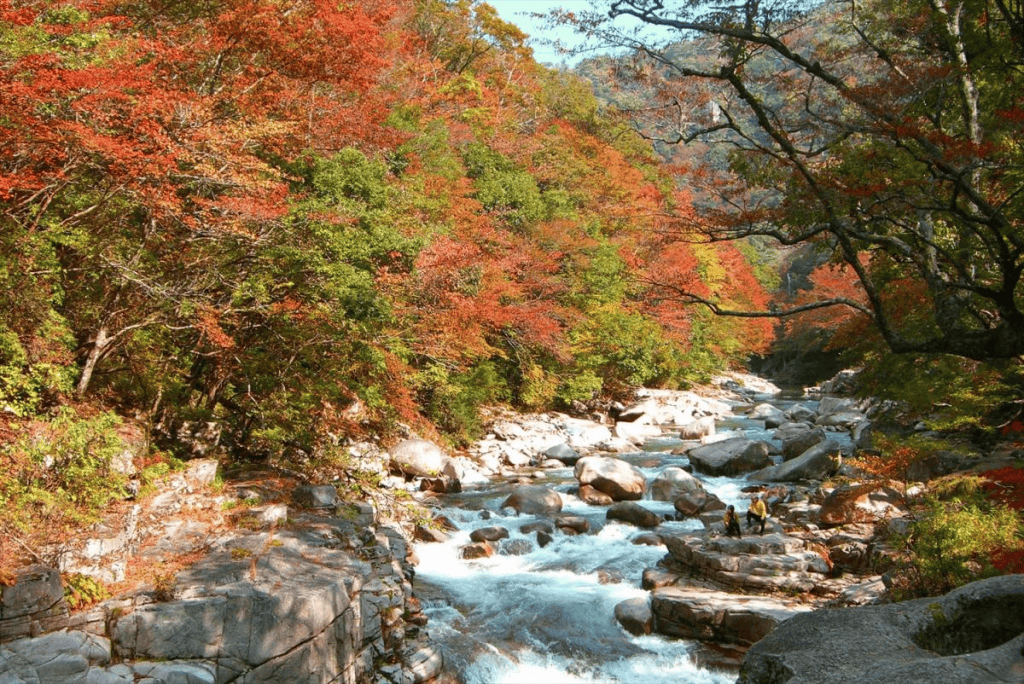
(890, 133)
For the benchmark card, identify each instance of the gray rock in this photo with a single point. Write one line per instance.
(770, 414)
(633, 513)
(417, 458)
(730, 457)
(562, 452)
(635, 616)
(795, 443)
(315, 496)
(618, 479)
(973, 635)
(673, 482)
(36, 589)
(817, 463)
(710, 615)
(533, 500)
(697, 429)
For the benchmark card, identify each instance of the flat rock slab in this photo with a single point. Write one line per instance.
(973, 635)
(711, 615)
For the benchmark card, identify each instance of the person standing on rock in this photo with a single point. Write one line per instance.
(757, 513)
(732, 522)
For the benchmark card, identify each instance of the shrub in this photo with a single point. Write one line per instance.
(952, 543)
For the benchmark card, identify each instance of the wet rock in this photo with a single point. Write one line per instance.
(563, 453)
(635, 616)
(618, 479)
(592, 497)
(710, 615)
(973, 635)
(730, 457)
(537, 526)
(817, 463)
(649, 539)
(673, 482)
(633, 514)
(572, 524)
(490, 534)
(533, 500)
(476, 550)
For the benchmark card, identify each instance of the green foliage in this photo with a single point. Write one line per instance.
(74, 457)
(623, 349)
(452, 400)
(81, 591)
(503, 188)
(59, 475)
(946, 392)
(951, 543)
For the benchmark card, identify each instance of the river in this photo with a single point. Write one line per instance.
(533, 615)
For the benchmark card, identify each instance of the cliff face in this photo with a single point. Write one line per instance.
(301, 596)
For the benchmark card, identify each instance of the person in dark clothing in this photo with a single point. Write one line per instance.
(757, 513)
(732, 522)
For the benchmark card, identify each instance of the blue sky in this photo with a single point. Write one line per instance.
(512, 12)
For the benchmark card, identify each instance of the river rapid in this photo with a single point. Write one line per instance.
(533, 615)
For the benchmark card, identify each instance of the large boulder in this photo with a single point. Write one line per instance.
(618, 479)
(673, 482)
(797, 442)
(417, 458)
(562, 452)
(817, 463)
(698, 429)
(730, 457)
(710, 615)
(690, 505)
(973, 635)
(769, 413)
(864, 503)
(635, 616)
(633, 514)
(533, 500)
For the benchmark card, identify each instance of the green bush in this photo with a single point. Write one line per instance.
(62, 472)
(452, 400)
(951, 543)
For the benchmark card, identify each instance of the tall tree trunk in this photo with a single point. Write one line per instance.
(99, 345)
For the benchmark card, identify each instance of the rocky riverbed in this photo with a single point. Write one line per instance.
(269, 579)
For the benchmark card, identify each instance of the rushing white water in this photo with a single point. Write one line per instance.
(530, 615)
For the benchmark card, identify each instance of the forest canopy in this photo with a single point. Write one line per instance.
(887, 135)
(311, 222)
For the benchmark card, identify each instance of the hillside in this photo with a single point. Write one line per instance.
(272, 233)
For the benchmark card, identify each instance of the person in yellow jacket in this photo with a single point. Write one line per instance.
(732, 522)
(757, 513)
